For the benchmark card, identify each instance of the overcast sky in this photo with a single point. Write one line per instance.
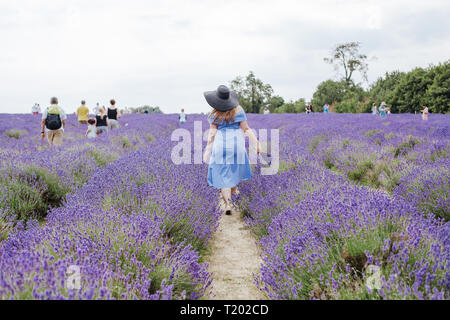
(166, 53)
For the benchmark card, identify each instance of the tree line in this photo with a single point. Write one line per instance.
(403, 92)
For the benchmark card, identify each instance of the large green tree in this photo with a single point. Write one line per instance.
(348, 57)
(254, 95)
(383, 89)
(329, 91)
(409, 94)
(438, 93)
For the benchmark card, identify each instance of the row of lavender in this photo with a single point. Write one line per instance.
(136, 228)
(34, 177)
(356, 199)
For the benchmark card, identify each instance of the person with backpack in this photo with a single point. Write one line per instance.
(53, 123)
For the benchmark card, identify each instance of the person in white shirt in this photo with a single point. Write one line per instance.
(36, 109)
(53, 123)
(424, 112)
(96, 108)
(266, 110)
(182, 117)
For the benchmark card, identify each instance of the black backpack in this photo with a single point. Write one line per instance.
(53, 122)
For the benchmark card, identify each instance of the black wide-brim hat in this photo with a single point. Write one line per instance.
(222, 99)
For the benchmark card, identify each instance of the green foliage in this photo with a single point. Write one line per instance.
(354, 101)
(31, 192)
(330, 92)
(438, 93)
(346, 249)
(361, 172)
(254, 95)
(275, 103)
(15, 133)
(347, 56)
(102, 158)
(403, 92)
(407, 92)
(5, 228)
(404, 147)
(292, 107)
(383, 89)
(146, 108)
(410, 92)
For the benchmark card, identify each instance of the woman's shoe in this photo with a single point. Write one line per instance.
(228, 210)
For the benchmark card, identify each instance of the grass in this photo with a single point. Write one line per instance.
(102, 158)
(370, 133)
(403, 148)
(31, 192)
(124, 142)
(5, 228)
(360, 174)
(15, 133)
(315, 142)
(440, 153)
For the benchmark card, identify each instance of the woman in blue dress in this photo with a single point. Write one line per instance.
(225, 152)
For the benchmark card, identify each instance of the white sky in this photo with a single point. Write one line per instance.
(168, 52)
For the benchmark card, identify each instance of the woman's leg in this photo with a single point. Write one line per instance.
(235, 190)
(226, 195)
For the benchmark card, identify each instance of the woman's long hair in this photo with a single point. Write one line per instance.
(220, 117)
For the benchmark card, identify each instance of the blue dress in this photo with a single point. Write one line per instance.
(229, 163)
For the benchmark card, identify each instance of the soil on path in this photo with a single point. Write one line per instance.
(233, 259)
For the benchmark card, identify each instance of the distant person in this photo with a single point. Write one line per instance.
(266, 110)
(101, 121)
(308, 108)
(146, 111)
(182, 117)
(113, 115)
(83, 113)
(96, 108)
(36, 109)
(53, 123)
(424, 112)
(92, 129)
(374, 109)
(325, 108)
(382, 110)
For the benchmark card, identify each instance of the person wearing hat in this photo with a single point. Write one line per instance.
(382, 110)
(225, 152)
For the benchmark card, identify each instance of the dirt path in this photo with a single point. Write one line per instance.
(233, 259)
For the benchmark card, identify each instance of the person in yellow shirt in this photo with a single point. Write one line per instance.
(83, 113)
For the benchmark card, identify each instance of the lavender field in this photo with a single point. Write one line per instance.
(353, 192)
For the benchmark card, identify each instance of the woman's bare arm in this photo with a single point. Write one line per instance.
(211, 136)
(251, 135)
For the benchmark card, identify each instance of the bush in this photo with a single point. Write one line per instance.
(30, 192)
(14, 133)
